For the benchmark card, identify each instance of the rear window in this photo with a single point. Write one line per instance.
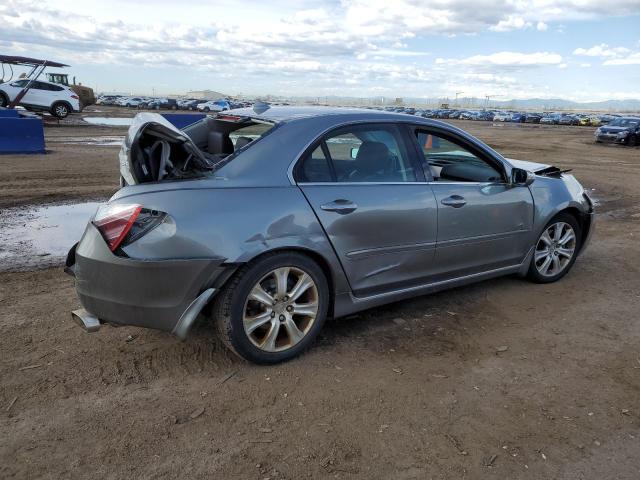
(243, 136)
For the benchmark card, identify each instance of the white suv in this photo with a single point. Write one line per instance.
(214, 106)
(59, 100)
(131, 102)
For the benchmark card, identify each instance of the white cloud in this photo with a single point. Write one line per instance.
(490, 78)
(510, 23)
(506, 60)
(313, 45)
(610, 55)
(602, 50)
(631, 59)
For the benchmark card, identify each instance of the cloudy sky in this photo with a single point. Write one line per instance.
(575, 49)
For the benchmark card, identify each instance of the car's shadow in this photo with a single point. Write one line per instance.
(433, 324)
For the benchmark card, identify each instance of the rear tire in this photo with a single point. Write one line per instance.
(60, 110)
(556, 249)
(277, 327)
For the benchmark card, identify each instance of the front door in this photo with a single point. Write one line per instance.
(370, 196)
(483, 222)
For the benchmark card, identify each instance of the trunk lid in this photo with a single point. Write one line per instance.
(155, 150)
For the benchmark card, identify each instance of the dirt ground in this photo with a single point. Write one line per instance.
(504, 379)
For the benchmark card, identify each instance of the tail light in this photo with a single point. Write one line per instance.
(75, 96)
(115, 221)
(123, 224)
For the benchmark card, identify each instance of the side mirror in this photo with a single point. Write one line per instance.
(521, 177)
(354, 153)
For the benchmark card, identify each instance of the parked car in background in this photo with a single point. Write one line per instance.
(163, 104)
(107, 99)
(550, 119)
(362, 208)
(131, 102)
(502, 117)
(58, 100)
(583, 120)
(532, 117)
(144, 103)
(624, 130)
(568, 120)
(594, 120)
(518, 117)
(607, 117)
(191, 104)
(214, 106)
(485, 115)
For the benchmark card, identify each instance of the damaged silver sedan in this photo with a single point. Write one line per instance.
(269, 220)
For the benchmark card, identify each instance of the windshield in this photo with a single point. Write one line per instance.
(625, 122)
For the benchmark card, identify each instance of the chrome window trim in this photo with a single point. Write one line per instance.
(434, 182)
(411, 122)
(336, 126)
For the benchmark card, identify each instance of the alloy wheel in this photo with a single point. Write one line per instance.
(555, 249)
(280, 309)
(61, 111)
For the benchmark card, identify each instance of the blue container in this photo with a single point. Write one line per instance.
(20, 135)
(182, 120)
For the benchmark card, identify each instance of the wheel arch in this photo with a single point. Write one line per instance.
(64, 102)
(584, 221)
(318, 258)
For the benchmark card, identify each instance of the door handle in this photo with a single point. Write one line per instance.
(340, 206)
(455, 201)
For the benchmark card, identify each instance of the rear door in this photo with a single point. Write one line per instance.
(368, 190)
(38, 94)
(483, 221)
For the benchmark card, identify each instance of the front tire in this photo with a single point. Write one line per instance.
(273, 308)
(556, 249)
(60, 110)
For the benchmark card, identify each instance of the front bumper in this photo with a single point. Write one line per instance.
(588, 223)
(611, 138)
(160, 294)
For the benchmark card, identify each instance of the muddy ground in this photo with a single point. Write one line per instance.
(504, 379)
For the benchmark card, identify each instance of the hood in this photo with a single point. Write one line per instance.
(610, 129)
(537, 168)
(529, 166)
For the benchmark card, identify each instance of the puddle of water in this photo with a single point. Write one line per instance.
(103, 141)
(112, 122)
(32, 238)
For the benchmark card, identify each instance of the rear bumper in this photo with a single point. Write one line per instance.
(160, 294)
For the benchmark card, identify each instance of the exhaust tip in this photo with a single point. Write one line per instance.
(86, 320)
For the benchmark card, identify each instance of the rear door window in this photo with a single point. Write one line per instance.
(360, 154)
